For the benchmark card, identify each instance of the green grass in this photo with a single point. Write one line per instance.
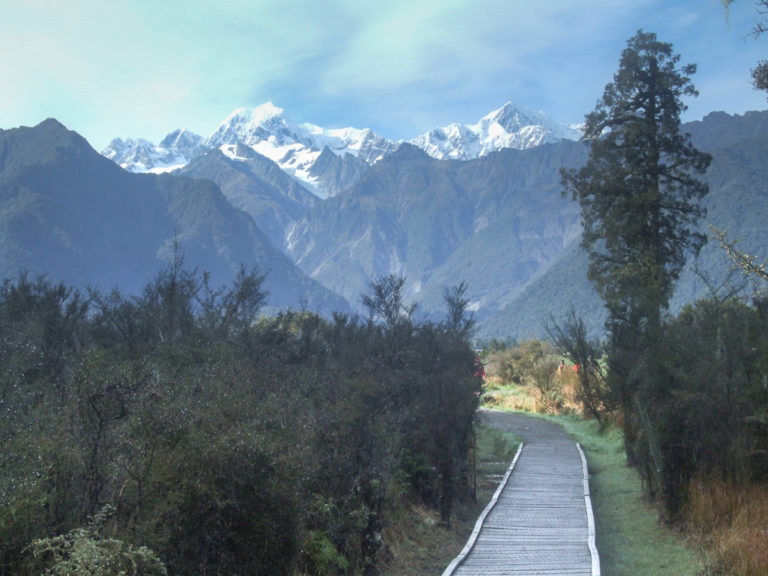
(631, 538)
(495, 450)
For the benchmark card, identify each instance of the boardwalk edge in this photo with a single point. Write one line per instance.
(590, 515)
(456, 562)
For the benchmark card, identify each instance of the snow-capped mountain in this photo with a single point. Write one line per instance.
(508, 127)
(295, 147)
(267, 131)
(139, 155)
(328, 160)
(299, 149)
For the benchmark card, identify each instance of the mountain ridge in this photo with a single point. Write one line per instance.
(256, 185)
(437, 222)
(297, 147)
(508, 127)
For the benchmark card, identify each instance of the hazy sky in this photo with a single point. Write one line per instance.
(140, 68)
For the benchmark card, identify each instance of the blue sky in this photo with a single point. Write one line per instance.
(136, 68)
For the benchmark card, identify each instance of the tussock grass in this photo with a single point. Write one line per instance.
(732, 523)
(417, 544)
(558, 398)
(514, 398)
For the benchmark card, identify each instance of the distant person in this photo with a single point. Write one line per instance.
(479, 368)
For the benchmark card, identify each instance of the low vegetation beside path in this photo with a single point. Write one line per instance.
(631, 538)
(419, 545)
(722, 530)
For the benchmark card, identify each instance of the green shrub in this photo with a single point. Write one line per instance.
(322, 558)
(85, 552)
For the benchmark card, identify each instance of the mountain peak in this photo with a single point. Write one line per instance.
(139, 155)
(251, 126)
(47, 142)
(261, 114)
(51, 124)
(408, 151)
(181, 138)
(513, 117)
(511, 126)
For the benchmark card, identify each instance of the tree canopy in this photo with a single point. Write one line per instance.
(639, 191)
(640, 197)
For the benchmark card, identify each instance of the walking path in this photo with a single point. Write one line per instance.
(540, 519)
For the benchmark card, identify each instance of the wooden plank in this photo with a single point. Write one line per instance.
(540, 519)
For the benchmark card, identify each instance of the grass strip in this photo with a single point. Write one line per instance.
(631, 539)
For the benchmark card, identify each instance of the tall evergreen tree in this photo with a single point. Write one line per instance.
(640, 202)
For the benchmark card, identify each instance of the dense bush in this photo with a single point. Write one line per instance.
(709, 416)
(517, 364)
(224, 443)
(704, 413)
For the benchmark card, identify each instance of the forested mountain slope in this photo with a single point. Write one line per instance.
(492, 222)
(737, 203)
(256, 185)
(69, 213)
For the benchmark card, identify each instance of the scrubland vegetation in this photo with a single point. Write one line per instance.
(178, 432)
(420, 545)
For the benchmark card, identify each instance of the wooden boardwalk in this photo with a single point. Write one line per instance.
(540, 519)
